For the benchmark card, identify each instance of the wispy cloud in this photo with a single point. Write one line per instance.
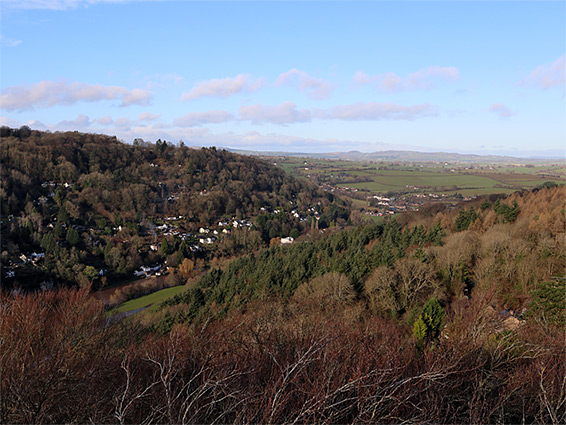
(162, 81)
(374, 111)
(58, 4)
(283, 114)
(288, 113)
(147, 116)
(223, 87)
(82, 122)
(193, 119)
(10, 122)
(50, 93)
(423, 79)
(548, 75)
(105, 120)
(135, 97)
(316, 88)
(9, 42)
(501, 110)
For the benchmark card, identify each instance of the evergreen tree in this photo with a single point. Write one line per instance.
(427, 326)
(509, 213)
(436, 234)
(62, 216)
(549, 302)
(465, 218)
(164, 246)
(58, 231)
(73, 237)
(48, 243)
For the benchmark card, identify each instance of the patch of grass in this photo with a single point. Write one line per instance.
(153, 299)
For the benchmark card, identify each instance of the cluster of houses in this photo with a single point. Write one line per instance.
(168, 227)
(34, 258)
(311, 212)
(339, 189)
(382, 205)
(147, 271)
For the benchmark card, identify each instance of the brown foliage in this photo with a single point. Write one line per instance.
(317, 357)
(53, 357)
(272, 364)
(330, 290)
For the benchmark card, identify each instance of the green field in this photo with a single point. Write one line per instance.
(445, 178)
(400, 181)
(153, 299)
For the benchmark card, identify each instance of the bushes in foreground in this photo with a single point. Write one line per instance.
(61, 361)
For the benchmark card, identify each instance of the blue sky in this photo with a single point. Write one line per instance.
(469, 77)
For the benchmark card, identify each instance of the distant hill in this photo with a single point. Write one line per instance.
(104, 177)
(405, 156)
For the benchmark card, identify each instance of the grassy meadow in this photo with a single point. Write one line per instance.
(153, 299)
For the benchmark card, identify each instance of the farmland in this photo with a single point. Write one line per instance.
(440, 178)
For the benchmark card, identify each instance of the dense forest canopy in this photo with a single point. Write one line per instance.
(111, 179)
(88, 200)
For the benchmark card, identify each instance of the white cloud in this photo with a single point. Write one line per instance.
(136, 97)
(105, 120)
(123, 123)
(361, 78)
(374, 111)
(501, 110)
(10, 122)
(391, 82)
(548, 75)
(223, 87)
(193, 119)
(38, 125)
(162, 81)
(285, 113)
(57, 4)
(9, 42)
(147, 116)
(316, 88)
(80, 123)
(423, 79)
(50, 93)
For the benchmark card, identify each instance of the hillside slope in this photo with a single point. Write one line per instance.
(90, 200)
(453, 316)
(504, 247)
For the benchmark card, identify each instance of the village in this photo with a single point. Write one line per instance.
(412, 198)
(152, 231)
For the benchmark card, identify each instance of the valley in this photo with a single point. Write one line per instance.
(199, 281)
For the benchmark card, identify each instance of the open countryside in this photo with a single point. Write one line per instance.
(440, 178)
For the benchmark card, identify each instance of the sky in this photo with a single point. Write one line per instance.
(478, 77)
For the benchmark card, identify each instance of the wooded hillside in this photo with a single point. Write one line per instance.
(448, 316)
(93, 207)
